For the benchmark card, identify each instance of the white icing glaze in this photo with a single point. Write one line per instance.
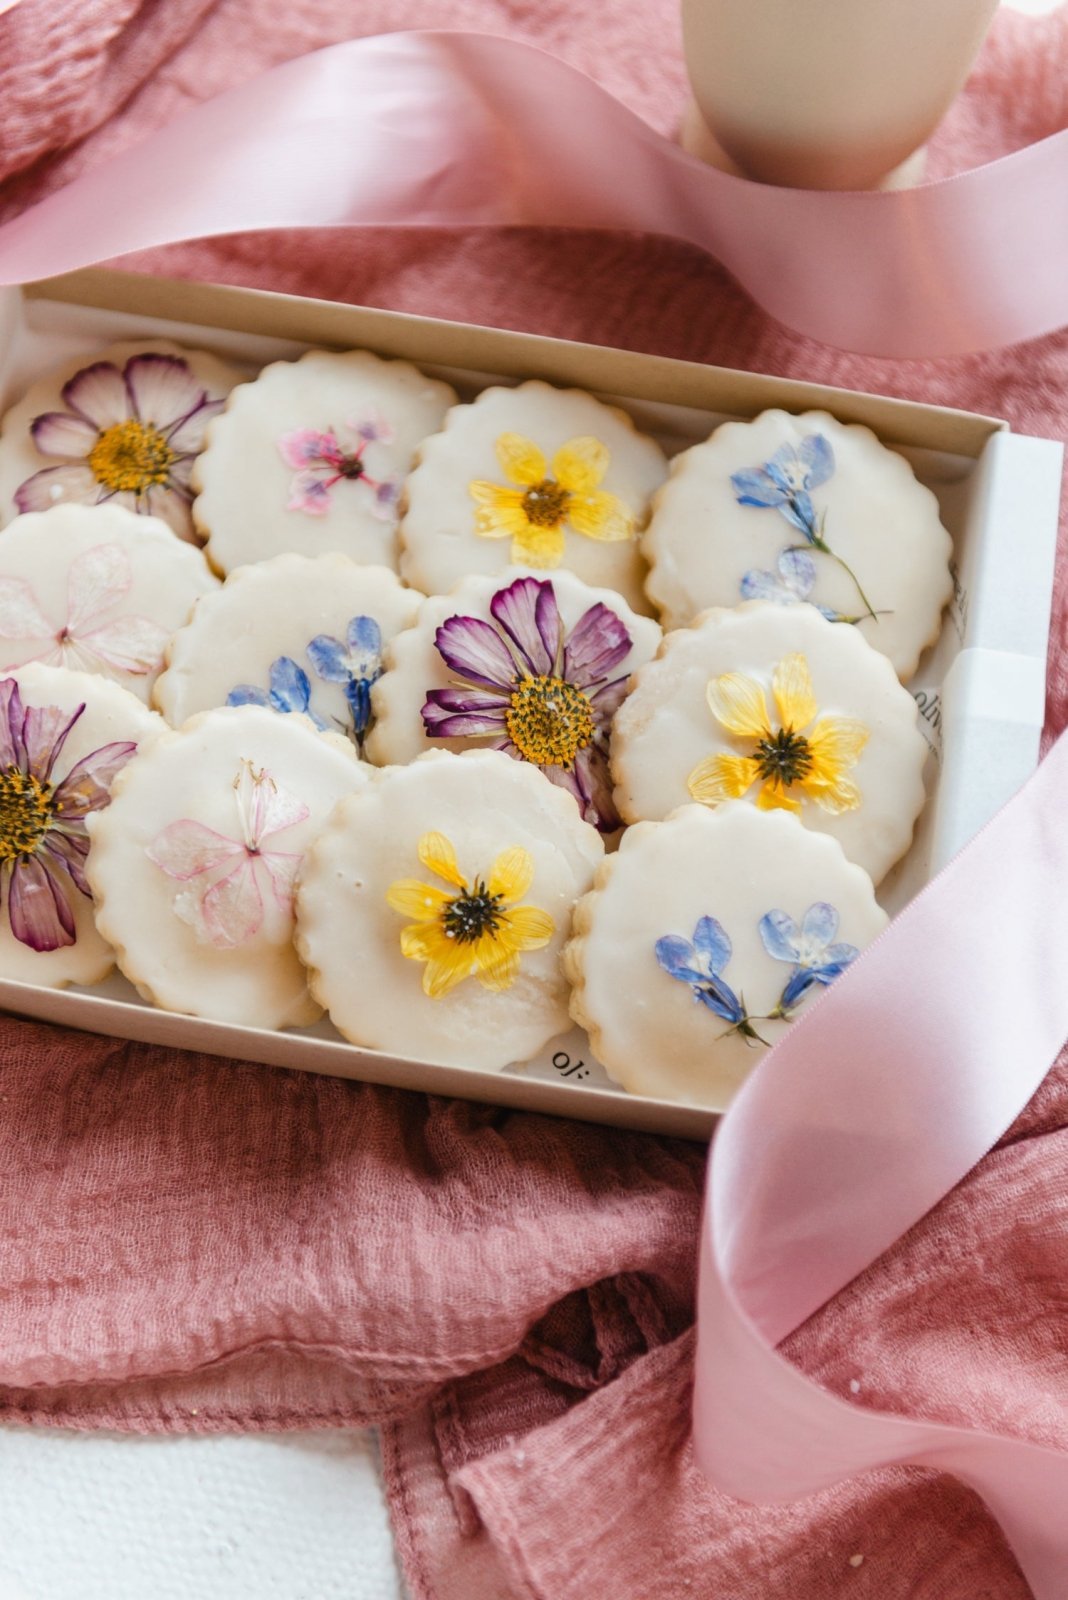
(246, 484)
(98, 589)
(701, 542)
(157, 920)
(666, 726)
(736, 864)
(484, 803)
(274, 609)
(438, 537)
(19, 456)
(111, 715)
(414, 665)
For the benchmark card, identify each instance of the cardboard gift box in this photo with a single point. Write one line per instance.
(980, 690)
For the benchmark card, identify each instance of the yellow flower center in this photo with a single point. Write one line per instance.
(785, 756)
(545, 504)
(25, 813)
(471, 914)
(549, 721)
(130, 457)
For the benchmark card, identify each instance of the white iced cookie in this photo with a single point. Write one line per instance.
(706, 935)
(98, 589)
(64, 736)
(532, 477)
(802, 509)
(311, 456)
(123, 425)
(785, 710)
(299, 633)
(535, 666)
(434, 905)
(193, 872)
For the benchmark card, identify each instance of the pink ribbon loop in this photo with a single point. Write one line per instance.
(872, 1107)
(452, 129)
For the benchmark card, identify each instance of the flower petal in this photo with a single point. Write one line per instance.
(171, 504)
(185, 849)
(441, 975)
(271, 808)
(20, 615)
(426, 941)
(528, 613)
(290, 688)
(758, 584)
(364, 638)
(818, 457)
(774, 797)
(37, 908)
(476, 651)
(511, 874)
(835, 798)
(596, 645)
(595, 782)
(791, 687)
(188, 435)
(60, 433)
(282, 868)
(678, 958)
(599, 515)
(818, 927)
(98, 579)
(162, 389)
(454, 714)
(55, 486)
(721, 999)
(496, 962)
(231, 910)
(329, 658)
(520, 459)
(738, 704)
(44, 733)
(438, 856)
(780, 936)
(529, 927)
(580, 465)
(98, 394)
(246, 694)
(500, 513)
(607, 701)
(422, 901)
(835, 744)
(68, 851)
(305, 446)
(756, 488)
(309, 494)
(713, 945)
(798, 571)
(129, 644)
(719, 778)
(537, 547)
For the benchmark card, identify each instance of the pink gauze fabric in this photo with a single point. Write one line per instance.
(194, 1244)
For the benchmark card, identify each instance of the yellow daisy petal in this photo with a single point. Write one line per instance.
(529, 927)
(414, 899)
(791, 685)
(719, 778)
(537, 547)
(835, 744)
(739, 704)
(496, 962)
(426, 941)
(580, 464)
(836, 798)
(438, 856)
(500, 513)
(600, 515)
(520, 459)
(774, 796)
(443, 974)
(512, 874)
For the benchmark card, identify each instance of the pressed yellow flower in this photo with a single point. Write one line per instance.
(534, 512)
(477, 929)
(800, 759)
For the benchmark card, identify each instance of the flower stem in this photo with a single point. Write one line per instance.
(827, 551)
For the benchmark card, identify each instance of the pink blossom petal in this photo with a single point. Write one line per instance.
(129, 644)
(55, 486)
(231, 910)
(309, 493)
(87, 786)
(186, 848)
(372, 428)
(272, 809)
(189, 435)
(162, 389)
(37, 908)
(59, 433)
(44, 733)
(171, 504)
(282, 869)
(98, 579)
(98, 394)
(306, 446)
(20, 615)
(384, 504)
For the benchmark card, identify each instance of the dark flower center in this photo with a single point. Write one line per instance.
(25, 813)
(352, 467)
(129, 457)
(785, 756)
(545, 504)
(472, 914)
(549, 721)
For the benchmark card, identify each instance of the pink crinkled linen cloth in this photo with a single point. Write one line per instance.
(188, 1243)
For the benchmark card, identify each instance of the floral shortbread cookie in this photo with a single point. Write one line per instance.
(434, 905)
(124, 426)
(803, 510)
(534, 666)
(64, 737)
(706, 936)
(782, 709)
(98, 589)
(193, 871)
(297, 634)
(311, 457)
(532, 477)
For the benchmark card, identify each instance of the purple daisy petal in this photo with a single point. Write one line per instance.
(162, 389)
(87, 786)
(187, 436)
(476, 651)
(528, 613)
(456, 714)
(595, 784)
(10, 723)
(44, 733)
(171, 505)
(37, 909)
(607, 701)
(98, 394)
(70, 851)
(59, 433)
(597, 644)
(57, 486)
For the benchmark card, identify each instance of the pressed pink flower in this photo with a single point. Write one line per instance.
(128, 436)
(224, 904)
(321, 461)
(98, 581)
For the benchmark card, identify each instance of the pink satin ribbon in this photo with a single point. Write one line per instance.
(871, 1108)
(463, 130)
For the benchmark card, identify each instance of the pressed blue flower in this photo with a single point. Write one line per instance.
(356, 663)
(699, 962)
(288, 690)
(810, 949)
(791, 585)
(784, 482)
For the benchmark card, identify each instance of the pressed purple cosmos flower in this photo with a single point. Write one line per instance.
(43, 837)
(535, 691)
(129, 436)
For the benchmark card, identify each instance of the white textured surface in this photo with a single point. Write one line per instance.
(295, 1516)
